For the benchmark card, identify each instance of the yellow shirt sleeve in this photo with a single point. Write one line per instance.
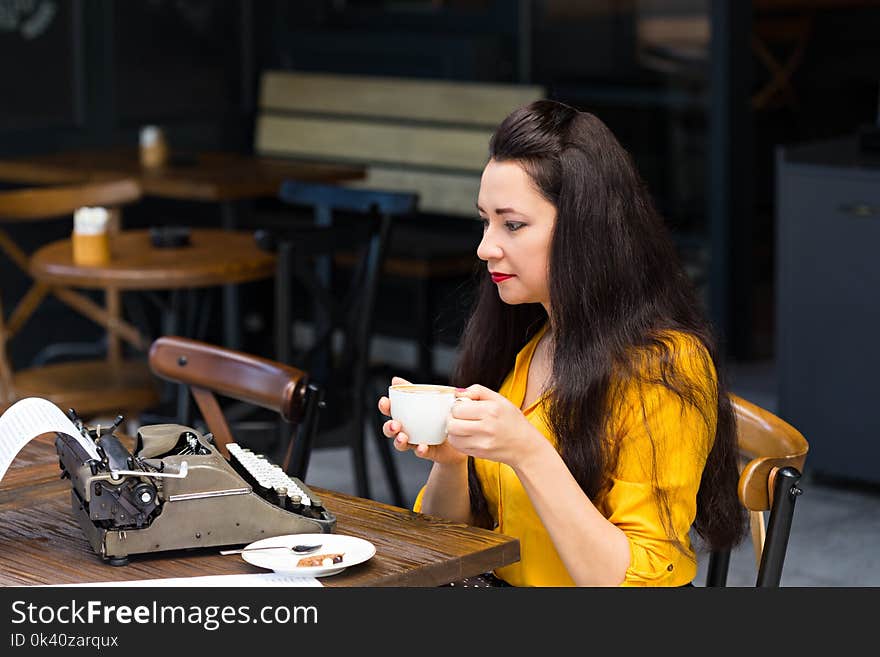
(664, 442)
(417, 505)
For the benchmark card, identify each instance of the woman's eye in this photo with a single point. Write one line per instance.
(512, 226)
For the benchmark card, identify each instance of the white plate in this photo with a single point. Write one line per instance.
(354, 550)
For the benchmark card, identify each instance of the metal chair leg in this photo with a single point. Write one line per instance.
(359, 456)
(719, 563)
(785, 494)
(299, 449)
(425, 330)
(391, 475)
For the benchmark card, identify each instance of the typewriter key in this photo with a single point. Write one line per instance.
(281, 494)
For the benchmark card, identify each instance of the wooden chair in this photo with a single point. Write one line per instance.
(207, 369)
(344, 310)
(773, 453)
(91, 387)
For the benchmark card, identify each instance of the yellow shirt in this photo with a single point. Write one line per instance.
(681, 439)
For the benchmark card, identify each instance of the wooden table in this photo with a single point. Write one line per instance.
(213, 177)
(214, 257)
(41, 542)
(224, 178)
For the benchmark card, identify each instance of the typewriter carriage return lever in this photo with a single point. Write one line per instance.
(181, 490)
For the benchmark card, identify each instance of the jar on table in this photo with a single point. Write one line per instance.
(91, 242)
(154, 146)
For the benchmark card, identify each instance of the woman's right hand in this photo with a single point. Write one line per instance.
(443, 453)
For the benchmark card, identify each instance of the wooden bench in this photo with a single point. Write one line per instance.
(416, 135)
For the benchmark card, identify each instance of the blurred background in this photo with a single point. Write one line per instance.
(754, 125)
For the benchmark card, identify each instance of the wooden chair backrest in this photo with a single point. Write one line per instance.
(766, 442)
(429, 137)
(208, 369)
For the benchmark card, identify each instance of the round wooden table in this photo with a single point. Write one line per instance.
(214, 257)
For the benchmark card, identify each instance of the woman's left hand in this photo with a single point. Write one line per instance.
(486, 425)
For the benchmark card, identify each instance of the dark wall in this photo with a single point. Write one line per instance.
(89, 73)
(475, 40)
(43, 67)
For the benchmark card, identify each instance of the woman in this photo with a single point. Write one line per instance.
(610, 435)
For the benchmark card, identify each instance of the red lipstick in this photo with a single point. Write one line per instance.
(498, 277)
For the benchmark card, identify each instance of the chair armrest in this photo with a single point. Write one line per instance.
(269, 384)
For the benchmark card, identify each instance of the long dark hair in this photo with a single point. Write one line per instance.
(617, 291)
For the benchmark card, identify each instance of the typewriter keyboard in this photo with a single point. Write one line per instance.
(269, 479)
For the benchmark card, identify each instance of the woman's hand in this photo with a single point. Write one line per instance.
(443, 454)
(486, 425)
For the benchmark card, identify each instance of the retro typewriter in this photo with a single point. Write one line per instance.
(178, 488)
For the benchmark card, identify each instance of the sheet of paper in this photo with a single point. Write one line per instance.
(257, 579)
(32, 417)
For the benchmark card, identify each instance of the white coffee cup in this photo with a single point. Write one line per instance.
(422, 410)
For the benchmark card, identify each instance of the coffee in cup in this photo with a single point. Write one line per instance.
(422, 410)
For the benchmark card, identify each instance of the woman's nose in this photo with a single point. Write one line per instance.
(488, 249)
